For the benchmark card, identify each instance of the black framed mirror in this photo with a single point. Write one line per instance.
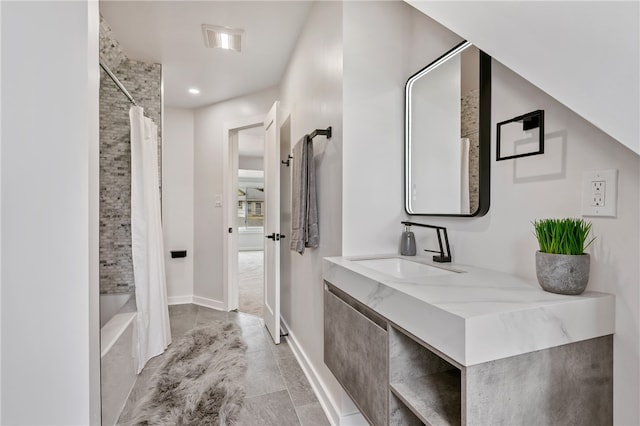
(448, 135)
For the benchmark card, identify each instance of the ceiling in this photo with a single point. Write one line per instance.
(170, 33)
(586, 54)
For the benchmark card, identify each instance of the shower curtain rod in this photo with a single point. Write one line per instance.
(117, 82)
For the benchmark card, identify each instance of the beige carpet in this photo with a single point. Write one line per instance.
(251, 278)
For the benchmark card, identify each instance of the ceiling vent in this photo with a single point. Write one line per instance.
(222, 37)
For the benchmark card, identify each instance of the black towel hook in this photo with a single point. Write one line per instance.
(322, 132)
(318, 132)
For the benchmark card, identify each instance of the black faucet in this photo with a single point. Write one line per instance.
(444, 256)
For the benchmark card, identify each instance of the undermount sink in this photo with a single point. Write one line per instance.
(402, 268)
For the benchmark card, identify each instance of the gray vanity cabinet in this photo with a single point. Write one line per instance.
(564, 385)
(396, 379)
(356, 351)
(435, 350)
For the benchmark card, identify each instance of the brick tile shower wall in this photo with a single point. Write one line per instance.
(470, 125)
(142, 80)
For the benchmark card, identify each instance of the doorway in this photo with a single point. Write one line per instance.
(250, 219)
(243, 212)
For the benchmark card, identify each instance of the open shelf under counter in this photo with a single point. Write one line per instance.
(426, 383)
(435, 399)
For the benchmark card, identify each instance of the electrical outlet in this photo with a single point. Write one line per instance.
(598, 188)
(600, 193)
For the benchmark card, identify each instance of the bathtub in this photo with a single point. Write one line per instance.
(111, 304)
(118, 358)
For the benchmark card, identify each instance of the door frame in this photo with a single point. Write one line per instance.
(229, 206)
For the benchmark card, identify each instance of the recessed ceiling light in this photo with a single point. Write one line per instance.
(194, 91)
(222, 37)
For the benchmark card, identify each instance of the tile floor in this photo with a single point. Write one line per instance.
(277, 391)
(250, 282)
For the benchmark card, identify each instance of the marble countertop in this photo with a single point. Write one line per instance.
(475, 315)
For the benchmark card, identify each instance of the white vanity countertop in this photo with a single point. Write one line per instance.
(477, 315)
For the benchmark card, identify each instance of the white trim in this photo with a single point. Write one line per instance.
(180, 300)
(209, 303)
(218, 305)
(93, 141)
(328, 404)
(230, 241)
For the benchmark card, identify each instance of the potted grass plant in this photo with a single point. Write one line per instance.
(562, 266)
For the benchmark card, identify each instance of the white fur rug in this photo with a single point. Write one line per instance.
(201, 382)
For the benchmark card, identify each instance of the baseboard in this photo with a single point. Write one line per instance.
(180, 300)
(209, 303)
(197, 300)
(329, 406)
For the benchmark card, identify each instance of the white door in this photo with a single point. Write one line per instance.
(272, 224)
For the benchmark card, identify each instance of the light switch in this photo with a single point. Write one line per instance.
(600, 193)
(218, 200)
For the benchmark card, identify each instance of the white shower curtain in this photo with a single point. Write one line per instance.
(154, 333)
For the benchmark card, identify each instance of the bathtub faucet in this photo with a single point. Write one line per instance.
(444, 256)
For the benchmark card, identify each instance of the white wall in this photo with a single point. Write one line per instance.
(209, 231)
(549, 186)
(377, 64)
(50, 343)
(251, 163)
(586, 54)
(360, 168)
(374, 78)
(312, 99)
(522, 190)
(177, 200)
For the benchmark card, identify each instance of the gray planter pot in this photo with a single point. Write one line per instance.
(562, 273)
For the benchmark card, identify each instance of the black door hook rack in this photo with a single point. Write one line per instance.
(317, 132)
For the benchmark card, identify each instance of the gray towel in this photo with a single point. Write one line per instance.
(312, 233)
(304, 209)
